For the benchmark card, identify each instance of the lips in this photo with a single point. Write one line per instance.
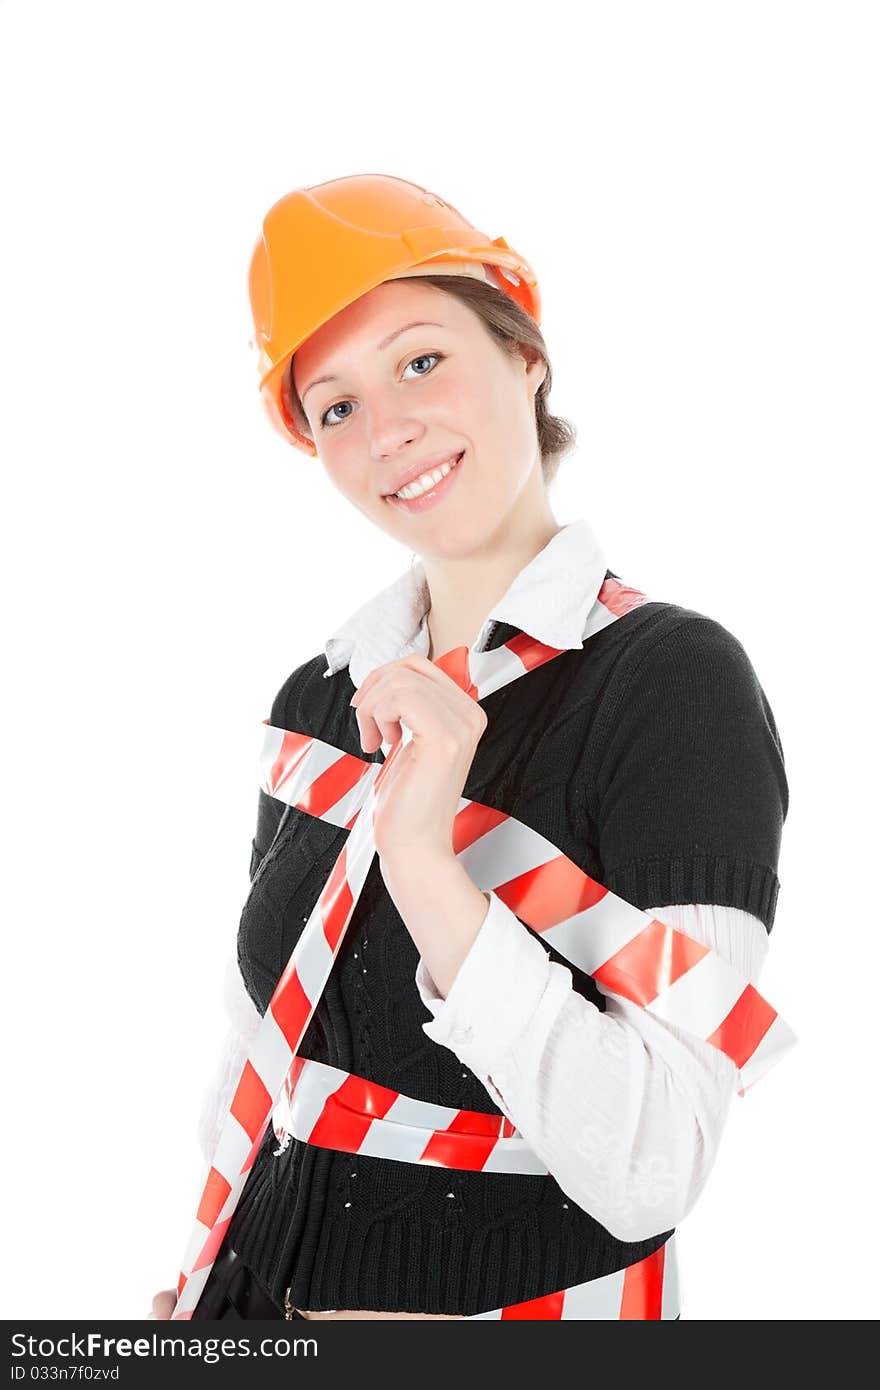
(433, 495)
(418, 469)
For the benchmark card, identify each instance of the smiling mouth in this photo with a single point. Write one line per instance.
(419, 487)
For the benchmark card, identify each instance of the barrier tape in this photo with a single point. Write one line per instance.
(625, 950)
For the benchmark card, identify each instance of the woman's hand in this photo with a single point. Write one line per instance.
(163, 1304)
(420, 785)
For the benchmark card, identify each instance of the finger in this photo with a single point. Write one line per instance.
(400, 677)
(390, 696)
(415, 662)
(370, 680)
(374, 732)
(163, 1304)
(373, 728)
(428, 720)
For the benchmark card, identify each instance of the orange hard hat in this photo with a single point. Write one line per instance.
(322, 247)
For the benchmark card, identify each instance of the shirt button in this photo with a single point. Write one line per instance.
(462, 1035)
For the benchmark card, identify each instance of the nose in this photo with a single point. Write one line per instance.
(389, 427)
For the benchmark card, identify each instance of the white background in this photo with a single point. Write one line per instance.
(696, 186)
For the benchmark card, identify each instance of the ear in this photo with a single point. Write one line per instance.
(536, 372)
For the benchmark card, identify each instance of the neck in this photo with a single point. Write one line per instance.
(465, 588)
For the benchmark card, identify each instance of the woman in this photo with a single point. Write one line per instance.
(402, 349)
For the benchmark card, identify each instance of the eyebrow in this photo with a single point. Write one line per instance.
(419, 323)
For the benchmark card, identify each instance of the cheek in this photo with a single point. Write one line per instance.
(343, 465)
(456, 404)
(495, 423)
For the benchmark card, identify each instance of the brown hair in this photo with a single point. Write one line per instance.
(518, 334)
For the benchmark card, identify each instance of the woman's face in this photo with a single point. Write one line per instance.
(404, 399)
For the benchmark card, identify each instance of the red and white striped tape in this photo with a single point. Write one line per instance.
(334, 1109)
(625, 950)
(646, 1290)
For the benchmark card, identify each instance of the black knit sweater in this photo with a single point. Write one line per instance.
(651, 758)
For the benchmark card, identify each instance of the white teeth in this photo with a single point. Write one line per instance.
(425, 481)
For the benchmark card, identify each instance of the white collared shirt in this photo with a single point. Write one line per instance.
(625, 1110)
(549, 599)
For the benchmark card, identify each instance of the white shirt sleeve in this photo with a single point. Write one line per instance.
(624, 1109)
(244, 1019)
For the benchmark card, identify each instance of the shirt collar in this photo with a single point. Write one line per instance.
(549, 600)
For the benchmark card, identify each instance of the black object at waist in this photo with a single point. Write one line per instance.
(233, 1293)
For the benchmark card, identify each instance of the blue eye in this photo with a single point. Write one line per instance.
(423, 357)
